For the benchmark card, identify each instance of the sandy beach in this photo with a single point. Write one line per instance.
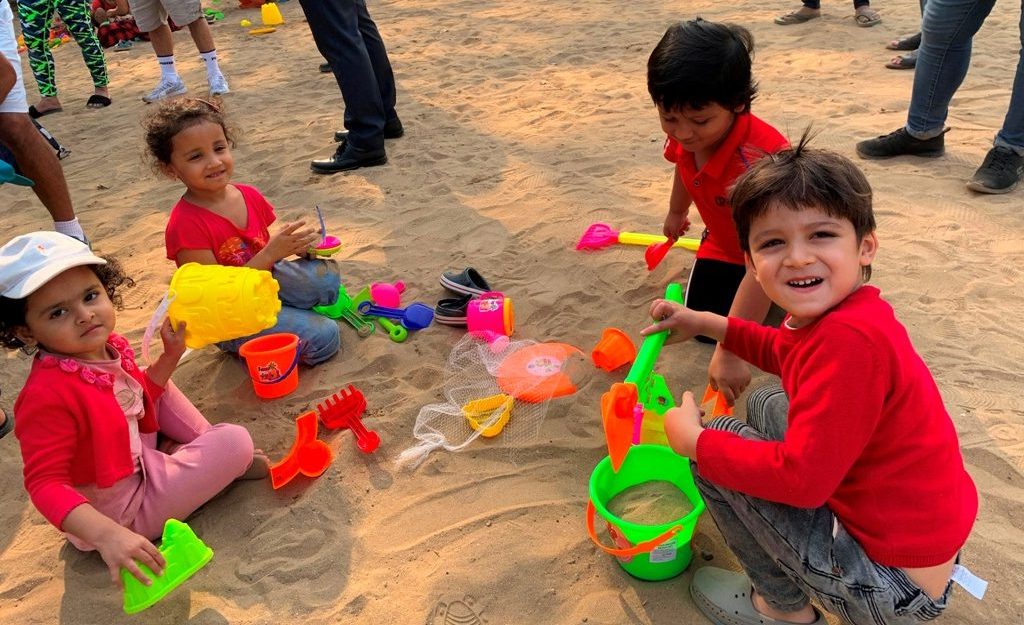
(524, 124)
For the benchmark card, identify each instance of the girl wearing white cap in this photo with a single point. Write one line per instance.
(88, 417)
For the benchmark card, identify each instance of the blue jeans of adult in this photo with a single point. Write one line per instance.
(304, 283)
(947, 30)
(348, 38)
(791, 554)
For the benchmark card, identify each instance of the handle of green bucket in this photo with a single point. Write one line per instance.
(295, 363)
(645, 547)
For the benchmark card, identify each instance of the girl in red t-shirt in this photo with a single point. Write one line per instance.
(217, 222)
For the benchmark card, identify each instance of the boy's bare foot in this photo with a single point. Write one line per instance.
(259, 468)
(801, 15)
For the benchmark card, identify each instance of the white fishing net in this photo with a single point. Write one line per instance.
(471, 386)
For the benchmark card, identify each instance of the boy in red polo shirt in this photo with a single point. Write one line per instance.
(700, 79)
(847, 483)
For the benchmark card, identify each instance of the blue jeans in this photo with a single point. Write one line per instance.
(348, 38)
(948, 28)
(304, 284)
(790, 553)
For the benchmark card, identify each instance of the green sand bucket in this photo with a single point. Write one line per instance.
(648, 552)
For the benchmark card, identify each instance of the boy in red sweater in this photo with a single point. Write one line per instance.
(847, 484)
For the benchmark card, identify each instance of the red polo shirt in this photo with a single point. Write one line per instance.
(749, 139)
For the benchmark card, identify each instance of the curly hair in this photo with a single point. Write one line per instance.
(12, 311)
(174, 116)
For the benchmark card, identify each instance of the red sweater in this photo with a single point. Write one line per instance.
(868, 435)
(73, 432)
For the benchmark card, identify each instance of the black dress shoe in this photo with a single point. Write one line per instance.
(346, 158)
(393, 129)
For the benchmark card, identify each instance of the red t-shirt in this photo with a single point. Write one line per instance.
(193, 227)
(868, 435)
(749, 139)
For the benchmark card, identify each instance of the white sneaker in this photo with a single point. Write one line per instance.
(218, 85)
(165, 89)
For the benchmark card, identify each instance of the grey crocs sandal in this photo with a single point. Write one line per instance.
(466, 282)
(724, 597)
(452, 311)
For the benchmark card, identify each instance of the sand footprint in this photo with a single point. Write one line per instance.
(459, 612)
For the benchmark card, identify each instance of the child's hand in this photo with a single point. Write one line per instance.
(174, 340)
(676, 224)
(683, 426)
(673, 317)
(120, 548)
(293, 239)
(728, 374)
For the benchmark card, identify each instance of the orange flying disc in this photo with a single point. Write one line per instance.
(537, 373)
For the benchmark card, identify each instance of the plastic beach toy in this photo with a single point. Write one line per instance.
(488, 415)
(385, 294)
(656, 252)
(342, 410)
(345, 308)
(265, 30)
(271, 14)
(245, 23)
(492, 312)
(329, 245)
(184, 553)
(308, 456)
(721, 407)
(614, 350)
(414, 317)
(648, 552)
(220, 303)
(644, 389)
(599, 236)
(273, 362)
(396, 332)
(537, 373)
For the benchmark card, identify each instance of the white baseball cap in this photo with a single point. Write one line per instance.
(29, 261)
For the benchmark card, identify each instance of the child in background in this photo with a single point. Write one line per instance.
(89, 417)
(114, 24)
(700, 79)
(847, 484)
(217, 222)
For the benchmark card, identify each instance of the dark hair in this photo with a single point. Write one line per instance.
(799, 178)
(12, 311)
(172, 117)
(697, 63)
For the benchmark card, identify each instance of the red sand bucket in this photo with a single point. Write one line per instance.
(273, 361)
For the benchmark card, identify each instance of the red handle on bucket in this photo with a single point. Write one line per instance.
(645, 547)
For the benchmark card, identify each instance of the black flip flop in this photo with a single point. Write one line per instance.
(35, 113)
(97, 101)
(8, 425)
(904, 44)
(467, 282)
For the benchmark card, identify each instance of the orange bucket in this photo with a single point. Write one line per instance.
(273, 362)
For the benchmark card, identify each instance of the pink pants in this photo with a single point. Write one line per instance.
(183, 467)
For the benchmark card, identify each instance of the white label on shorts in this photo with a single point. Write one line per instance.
(969, 581)
(665, 552)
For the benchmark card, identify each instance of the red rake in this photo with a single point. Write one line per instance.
(342, 410)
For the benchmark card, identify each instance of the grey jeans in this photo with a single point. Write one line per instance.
(792, 554)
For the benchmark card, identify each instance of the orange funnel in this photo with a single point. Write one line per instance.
(617, 414)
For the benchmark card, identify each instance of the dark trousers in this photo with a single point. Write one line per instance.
(346, 36)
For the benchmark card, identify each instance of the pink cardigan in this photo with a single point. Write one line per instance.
(73, 432)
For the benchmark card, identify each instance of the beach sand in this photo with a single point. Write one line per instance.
(525, 123)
